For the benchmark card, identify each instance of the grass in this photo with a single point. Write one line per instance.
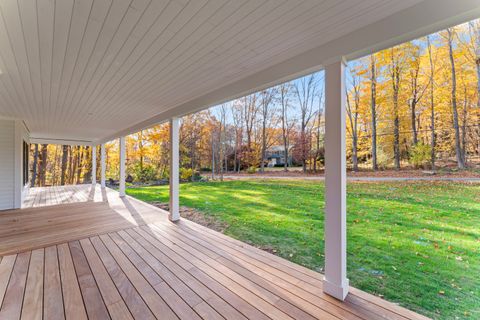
(415, 243)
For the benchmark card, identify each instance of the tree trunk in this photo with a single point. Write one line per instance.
(464, 127)
(71, 171)
(79, 163)
(432, 105)
(414, 121)
(395, 78)
(477, 64)
(264, 144)
(64, 164)
(43, 165)
(303, 140)
(373, 106)
(213, 158)
(34, 166)
(86, 157)
(458, 147)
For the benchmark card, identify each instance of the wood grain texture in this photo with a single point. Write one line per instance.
(95, 264)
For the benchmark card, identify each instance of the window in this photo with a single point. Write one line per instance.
(26, 155)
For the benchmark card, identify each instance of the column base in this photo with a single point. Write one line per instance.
(172, 218)
(336, 291)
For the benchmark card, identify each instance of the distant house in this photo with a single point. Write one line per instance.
(275, 156)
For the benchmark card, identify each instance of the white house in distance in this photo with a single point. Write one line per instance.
(85, 72)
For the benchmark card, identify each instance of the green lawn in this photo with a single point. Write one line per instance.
(416, 243)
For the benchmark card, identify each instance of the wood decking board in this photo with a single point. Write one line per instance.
(122, 259)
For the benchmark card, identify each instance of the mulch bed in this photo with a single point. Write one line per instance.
(196, 216)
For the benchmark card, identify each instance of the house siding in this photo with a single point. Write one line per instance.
(12, 190)
(7, 164)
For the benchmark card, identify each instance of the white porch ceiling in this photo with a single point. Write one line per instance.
(92, 69)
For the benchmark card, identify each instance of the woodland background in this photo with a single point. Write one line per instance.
(413, 105)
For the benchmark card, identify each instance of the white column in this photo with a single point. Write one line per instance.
(94, 165)
(123, 159)
(103, 165)
(336, 282)
(174, 214)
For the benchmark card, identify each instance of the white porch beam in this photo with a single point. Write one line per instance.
(336, 283)
(103, 165)
(123, 159)
(174, 214)
(426, 17)
(94, 165)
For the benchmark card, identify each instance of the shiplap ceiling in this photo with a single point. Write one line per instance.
(86, 69)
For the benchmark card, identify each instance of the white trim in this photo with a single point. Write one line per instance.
(123, 159)
(336, 282)
(94, 165)
(103, 165)
(61, 141)
(174, 213)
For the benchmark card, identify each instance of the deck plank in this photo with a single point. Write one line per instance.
(92, 298)
(6, 267)
(33, 300)
(158, 306)
(174, 301)
(12, 302)
(72, 297)
(130, 295)
(86, 253)
(53, 299)
(114, 302)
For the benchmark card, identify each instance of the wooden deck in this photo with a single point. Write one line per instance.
(96, 256)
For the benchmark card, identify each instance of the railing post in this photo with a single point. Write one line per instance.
(336, 283)
(123, 159)
(94, 165)
(174, 213)
(103, 165)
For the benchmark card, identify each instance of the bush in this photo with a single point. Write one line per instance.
(251, 170)
(186, 174)
(420, 155)
(145, 174)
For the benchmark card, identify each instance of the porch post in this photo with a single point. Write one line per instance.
(336, 282)
(174, 214)
(103, 165)
(94, 165)
(122, 167)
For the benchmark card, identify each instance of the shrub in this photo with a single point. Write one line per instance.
(420, 155)
(145, 174)
(186, 174)
(251, 170)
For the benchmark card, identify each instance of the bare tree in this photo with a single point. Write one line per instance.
(320, 108)
(237, 116)
(222, 133)
(352, 112)
(284, 92)
(305, 91)
(250, 117)
(266, 100)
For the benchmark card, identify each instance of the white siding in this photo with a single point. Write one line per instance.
(20, 190)
(7, 164)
